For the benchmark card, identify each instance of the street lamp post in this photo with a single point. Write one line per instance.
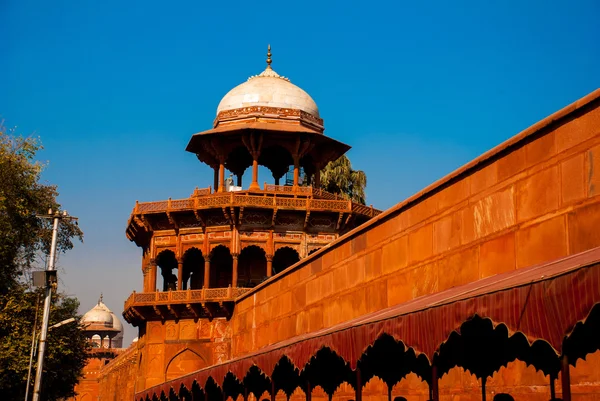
(34, 341)
(56, 217)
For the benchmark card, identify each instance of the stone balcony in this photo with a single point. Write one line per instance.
(162, 305)
(274, 206)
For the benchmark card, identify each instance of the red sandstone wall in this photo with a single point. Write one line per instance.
(534, 201)
(116, 381)
(172, 349)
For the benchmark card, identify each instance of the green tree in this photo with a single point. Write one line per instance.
(66, 352)
(24, 242)
(339, 178)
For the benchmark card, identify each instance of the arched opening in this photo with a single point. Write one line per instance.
(183, 363)
(238, 160)
(193, 269)
(284, 258)
(221, 266)
(167, 261)
(96, 341)
(328, 370)
(278, 160)
(252, 266)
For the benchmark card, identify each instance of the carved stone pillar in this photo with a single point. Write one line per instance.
(358, 385)
(253, 143)
(234, 273)
(269, 265)
(254, 184)
(239, 180)
(152, 280)
(179, 273)
(434, 386)
(222, 176)
(206, 272)
(216, 179)
(317, 180)
(565, 376)
(296, 170)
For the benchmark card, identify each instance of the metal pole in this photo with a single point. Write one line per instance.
(37, 307)
(46, 316)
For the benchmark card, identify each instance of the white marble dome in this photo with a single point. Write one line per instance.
(271, 90)
(117, 341)
(98, 315)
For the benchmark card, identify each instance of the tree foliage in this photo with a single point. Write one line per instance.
(23, 235)
(339, 178)
(24, 241)
(65, 351)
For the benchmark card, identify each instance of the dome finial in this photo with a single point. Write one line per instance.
(269, 57)
(100, 300)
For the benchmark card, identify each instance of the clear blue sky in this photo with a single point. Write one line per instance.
(115, 89)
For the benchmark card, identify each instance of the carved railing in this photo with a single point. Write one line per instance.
(184, 296)
(245, 199)
(202, 191)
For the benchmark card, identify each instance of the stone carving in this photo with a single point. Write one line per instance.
(256, 218)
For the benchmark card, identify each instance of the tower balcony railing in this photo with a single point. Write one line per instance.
(184, 296)
(242, 199)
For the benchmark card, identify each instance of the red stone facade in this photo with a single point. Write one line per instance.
(533, 199)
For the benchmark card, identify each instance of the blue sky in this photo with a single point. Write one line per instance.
(115, 90)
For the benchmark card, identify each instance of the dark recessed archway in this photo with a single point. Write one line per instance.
(284, 258)
(221, 266)
(252, 266)
(257, 382)
(391, 361)
(167, 262)
(328, 370)
(287, 377)
(193, 269)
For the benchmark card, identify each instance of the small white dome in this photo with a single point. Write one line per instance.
(271, 90)
(98, 315)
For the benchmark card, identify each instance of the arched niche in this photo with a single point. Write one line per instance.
(277, 159)
(252, 266)
(167, 263)
(221, 266)
(283, 258)
(184, 362)
(193, 269)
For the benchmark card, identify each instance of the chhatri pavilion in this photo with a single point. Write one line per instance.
(483, 286)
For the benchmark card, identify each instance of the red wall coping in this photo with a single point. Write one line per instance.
(495, 153)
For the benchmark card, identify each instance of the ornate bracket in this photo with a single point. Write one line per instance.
(339, 222)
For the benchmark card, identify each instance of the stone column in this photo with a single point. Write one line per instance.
(308, 391)
(152, 281)
(565, 376)
(239, 180)
(254, 184)
(317, 180)
(358, 389)
(179, 273)
(433, 388)
(296, 170)
(234, 273)
(216, 179)
(222, 176)
(206, 272)
(253, 143)
(273, 393)
(269, 265)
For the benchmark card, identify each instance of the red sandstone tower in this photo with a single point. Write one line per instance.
(200, 253)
